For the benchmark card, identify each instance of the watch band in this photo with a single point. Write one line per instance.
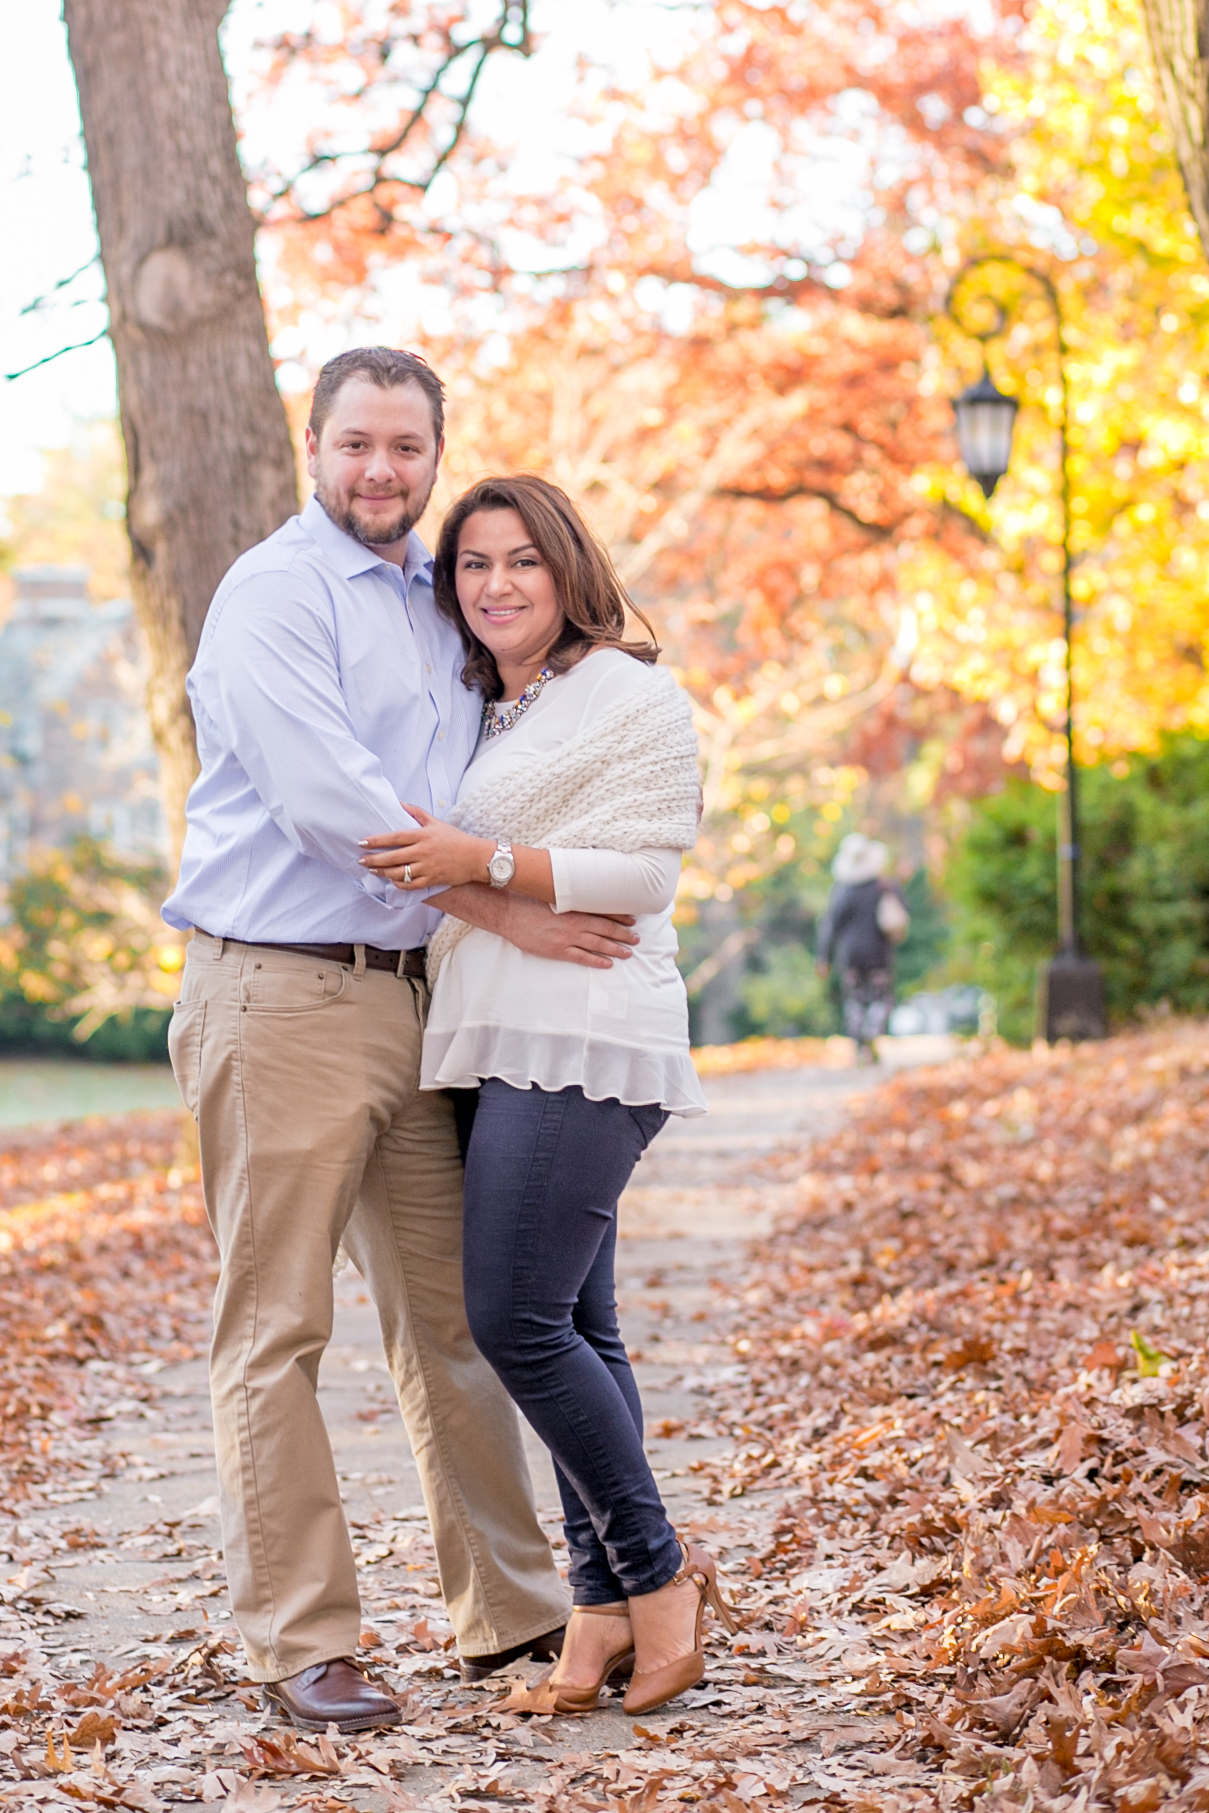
(502, 866)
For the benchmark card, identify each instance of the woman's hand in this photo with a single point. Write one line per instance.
(437, 855)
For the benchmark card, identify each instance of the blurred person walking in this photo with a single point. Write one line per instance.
(864, 920)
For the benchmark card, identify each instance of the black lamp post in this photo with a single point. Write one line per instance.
(1070, 990)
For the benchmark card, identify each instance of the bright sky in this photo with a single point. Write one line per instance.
(46, 217)
(46, 227)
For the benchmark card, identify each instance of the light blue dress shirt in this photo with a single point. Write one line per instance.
(326, 690)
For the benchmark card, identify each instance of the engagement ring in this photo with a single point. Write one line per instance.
(406, 874)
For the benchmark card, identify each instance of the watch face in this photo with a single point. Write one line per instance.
(501, 868)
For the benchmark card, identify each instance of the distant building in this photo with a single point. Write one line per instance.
(76, 754)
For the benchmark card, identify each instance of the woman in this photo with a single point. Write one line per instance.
(583, 792)
(864, 920)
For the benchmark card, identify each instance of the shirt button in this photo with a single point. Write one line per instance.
(427, 667)
(440, 802)
(440, 736)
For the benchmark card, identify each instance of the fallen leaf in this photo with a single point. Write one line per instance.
(95, 1728)
(249, 1799)
(540, 1697)
(284, 1753)
(59, 1759)
(966, 1463)
(138, 1797)
(1150, 1359)
(1070, 1446)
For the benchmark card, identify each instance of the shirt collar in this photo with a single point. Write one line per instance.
(350, 557)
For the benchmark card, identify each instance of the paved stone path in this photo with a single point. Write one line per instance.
(693, 1205)
(148, 1583)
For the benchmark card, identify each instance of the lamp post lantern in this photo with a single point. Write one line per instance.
(985, 420)
(1070, 989)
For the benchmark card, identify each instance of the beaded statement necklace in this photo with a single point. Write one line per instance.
(495, 723)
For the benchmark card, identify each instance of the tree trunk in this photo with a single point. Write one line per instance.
(211, 465)
(1179, 43)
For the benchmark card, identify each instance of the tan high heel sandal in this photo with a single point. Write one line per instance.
(546, 1695)
(659, 1685)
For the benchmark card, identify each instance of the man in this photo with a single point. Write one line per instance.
(326, 688)
(864, 920)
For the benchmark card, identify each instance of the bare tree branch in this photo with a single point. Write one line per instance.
(510, 32)
(31, 308)
(380, 152)
(78, 346)
(877, 530)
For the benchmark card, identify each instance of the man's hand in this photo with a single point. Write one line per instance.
(595, 940)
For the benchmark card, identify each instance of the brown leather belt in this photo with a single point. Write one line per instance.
(400, 963)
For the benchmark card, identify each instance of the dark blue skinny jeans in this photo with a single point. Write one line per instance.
(544, 1171)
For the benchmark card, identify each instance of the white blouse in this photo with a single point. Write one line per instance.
(619, 1033)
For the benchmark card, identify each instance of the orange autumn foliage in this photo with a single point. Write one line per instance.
(744, 429)
(752, 405)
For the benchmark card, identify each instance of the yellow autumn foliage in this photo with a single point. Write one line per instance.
(1095, 200)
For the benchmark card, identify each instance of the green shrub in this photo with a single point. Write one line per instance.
(1144, 835)
(86, 963)
(138, 1036)
(927, 937)
(783, 997)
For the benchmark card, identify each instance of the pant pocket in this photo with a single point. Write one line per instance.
(185, 1050)
(650, 1119)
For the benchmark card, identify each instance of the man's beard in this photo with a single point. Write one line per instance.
(380, 536)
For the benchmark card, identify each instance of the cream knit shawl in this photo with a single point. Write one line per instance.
(627, 781)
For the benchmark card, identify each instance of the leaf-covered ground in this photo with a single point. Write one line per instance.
(965, 1505)
(106, 1273)
(976, 1371)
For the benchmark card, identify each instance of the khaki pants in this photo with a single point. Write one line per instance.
(303, 1077)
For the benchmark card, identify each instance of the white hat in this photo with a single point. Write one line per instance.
(859, 858)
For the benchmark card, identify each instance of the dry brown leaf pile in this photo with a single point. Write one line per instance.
(967, 1504)
(974, 1364)
(107, 1269)
(106, 1266)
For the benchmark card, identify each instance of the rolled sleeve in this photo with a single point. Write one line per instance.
(614, 881)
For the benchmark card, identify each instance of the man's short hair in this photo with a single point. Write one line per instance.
(384, 366)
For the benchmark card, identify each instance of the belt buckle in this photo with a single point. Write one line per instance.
(401, 967)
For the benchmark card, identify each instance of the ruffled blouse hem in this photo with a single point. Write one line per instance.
(604, 1070)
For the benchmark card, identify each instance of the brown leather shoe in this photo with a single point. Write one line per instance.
(543, 1649)
(332, 1693)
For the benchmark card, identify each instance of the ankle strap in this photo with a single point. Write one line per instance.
(619, 1608)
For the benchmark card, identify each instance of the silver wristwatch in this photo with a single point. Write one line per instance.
(502, 866)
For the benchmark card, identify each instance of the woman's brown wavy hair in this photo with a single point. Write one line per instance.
(592, 597)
